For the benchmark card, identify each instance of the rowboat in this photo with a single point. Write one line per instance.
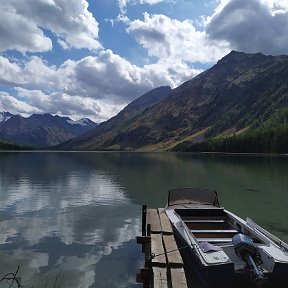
(221, 247)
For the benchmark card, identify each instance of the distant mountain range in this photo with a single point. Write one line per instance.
(41, 130)
(104, 135)
(240, 95)
(242, 91)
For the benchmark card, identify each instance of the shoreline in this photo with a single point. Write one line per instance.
(156, 152)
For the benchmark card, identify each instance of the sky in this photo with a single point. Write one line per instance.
(90, 58)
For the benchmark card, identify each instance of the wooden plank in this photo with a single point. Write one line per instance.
(178, 278)
(144, 209)
(142, 239)
(172, 252)
(146, 248)
(153, 220)
(143, 275)
(157, 250)
(160, 277)
(145, 242)
(165, 222)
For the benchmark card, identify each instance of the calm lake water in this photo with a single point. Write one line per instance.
(73, 217)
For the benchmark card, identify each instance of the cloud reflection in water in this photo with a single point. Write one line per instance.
(65, 220)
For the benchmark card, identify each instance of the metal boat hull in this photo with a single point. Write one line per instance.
(210, 277)
(201, 221)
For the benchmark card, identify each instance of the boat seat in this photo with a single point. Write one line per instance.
(212, 234)
(205, 221)
(215, 240)
(215, 231)
(208, 224)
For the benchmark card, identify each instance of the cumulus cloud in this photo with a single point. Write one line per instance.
(69, 20)
(15, 106)
(164, 38)
(171, 72)
(35, 72)
(95, 86)
(62, 104)
(28, 38)
(100, 85)
(110, 76)
(251, 25)
(128, 81)
(276, 6)
(10, 73)
(76, 107)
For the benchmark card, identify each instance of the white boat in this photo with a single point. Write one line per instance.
(222, 248)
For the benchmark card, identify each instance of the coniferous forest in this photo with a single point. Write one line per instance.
(269, 137)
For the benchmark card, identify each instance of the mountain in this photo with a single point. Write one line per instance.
(4, 145)
(41, 130)
(270, 136)
(240, 91)
(99, 136)
(4, 116)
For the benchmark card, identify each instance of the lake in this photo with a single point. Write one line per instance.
(70, 219)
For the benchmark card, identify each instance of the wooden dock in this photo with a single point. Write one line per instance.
(163, 263)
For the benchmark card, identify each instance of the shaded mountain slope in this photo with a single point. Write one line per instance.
(240, 91)
(41, 130)
(270, 137)
(99, 136)
(10, 146)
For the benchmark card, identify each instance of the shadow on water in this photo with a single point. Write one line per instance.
(79, 213)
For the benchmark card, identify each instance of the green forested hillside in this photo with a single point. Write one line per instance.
(270, 137)
(10, 146)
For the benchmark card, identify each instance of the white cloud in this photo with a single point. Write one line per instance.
(96, 240)
(122, 5)
(69, 20)
(62, 104)
(38, 73)
(276, 6)
(10, 73)
(15, 106)
(106, 77)
(251, 25)
(173, 73)
(75, 107)
(28, 38)
(63, 44)
(164, 38)
(109, 76)
(100, 85)
(97, 87)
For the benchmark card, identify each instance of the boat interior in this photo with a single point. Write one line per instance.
(211, 225)
(215, 226)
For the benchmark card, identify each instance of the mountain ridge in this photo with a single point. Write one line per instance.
(41, 130)
(237, 92)
(133, 109)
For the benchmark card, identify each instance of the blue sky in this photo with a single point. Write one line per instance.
(82, 58)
